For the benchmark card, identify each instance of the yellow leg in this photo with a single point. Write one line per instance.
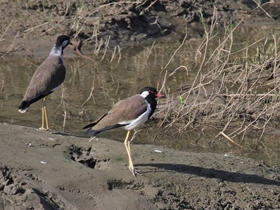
(43, 120)
(127, 147)
(129, 152)
(46, 117)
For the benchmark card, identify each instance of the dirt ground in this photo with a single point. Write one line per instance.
(47, 170)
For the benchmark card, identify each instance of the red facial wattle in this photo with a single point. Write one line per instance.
(159, 95)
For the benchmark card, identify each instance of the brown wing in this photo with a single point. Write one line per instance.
(124, 110)
(48, 76)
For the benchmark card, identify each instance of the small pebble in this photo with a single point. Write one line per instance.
(158, 151)
(29, 145)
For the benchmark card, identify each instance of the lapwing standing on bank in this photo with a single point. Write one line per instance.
(128, 113)
(46, 79)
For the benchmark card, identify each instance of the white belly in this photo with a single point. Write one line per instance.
(139, 120)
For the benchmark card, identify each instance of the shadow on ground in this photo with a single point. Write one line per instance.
(210, 173)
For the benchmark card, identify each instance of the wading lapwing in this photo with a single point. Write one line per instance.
(46, 79)
(128, 113)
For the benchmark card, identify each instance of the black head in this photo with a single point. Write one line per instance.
(62, 41)
(150, 92)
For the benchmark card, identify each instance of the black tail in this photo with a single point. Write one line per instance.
(92, 132)
(90, 125)
(95, 122)
(24, 105)
(95, 132)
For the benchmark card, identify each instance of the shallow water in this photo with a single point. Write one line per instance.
(110, 78)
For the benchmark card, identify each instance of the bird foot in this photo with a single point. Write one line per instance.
(44, 129)
(134, 171)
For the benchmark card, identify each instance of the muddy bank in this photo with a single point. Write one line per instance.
(32, 25)
(44, 170)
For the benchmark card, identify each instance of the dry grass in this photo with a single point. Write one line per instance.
(230, 92)
(233, 91)
(86, 19)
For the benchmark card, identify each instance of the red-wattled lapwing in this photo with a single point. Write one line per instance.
(47, 78)
(128, 113)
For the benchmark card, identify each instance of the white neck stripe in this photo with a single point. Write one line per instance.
(144, 94)
(56, 51)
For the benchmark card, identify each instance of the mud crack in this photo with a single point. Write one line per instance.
(9, 183)
(120, 184)
(85, 156)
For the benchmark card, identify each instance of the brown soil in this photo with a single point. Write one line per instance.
(45, 170)
(31, 26)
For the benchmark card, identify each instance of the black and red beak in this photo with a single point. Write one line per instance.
(159, 95)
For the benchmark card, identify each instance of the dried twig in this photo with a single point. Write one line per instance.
(259, 6)
(229, 139)
(78, 46)
(229, 91)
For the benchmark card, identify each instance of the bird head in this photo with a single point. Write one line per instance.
(150, 92)
(62, 41)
